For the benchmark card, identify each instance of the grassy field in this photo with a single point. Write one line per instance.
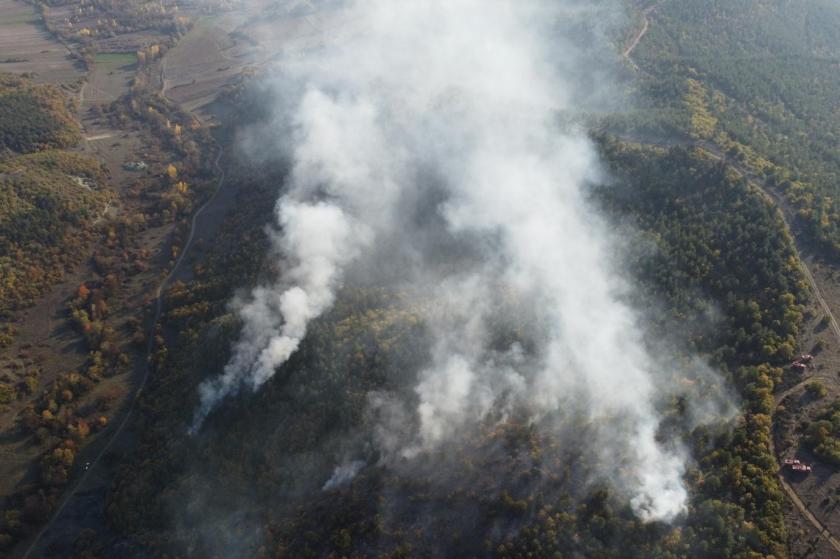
(18, 16)
(197, 68)
(116, 59)
(110, 78)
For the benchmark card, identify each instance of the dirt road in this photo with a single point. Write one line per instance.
(784, 210)
(159, 299)
(803, 509)
(639, 36)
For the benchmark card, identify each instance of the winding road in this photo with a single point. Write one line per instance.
(716, 153)
(145, 364)
(639, 36)
(713, 151)
(782, 207)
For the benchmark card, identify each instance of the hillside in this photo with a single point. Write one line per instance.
(49, 206)
(391, 308)
(719, 283)
(34, 117)
(523, 485)
(759, 79)
(51, 199)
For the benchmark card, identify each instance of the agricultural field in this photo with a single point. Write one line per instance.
(26, 46)
(70, 222)
(129, 42)
(110, 78)
(217, 50)
(207, 59)
(117, 27)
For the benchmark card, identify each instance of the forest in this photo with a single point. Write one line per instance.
(34, 117)
(762, 83)
(49, 199)
(716, 239)
(50, 205)
(715, 272)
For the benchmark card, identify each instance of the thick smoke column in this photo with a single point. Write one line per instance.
(462, 97)
(275, 319)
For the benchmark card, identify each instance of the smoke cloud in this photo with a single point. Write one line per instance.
(427, 155)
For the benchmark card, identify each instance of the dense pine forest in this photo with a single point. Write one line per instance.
(761, 81)
(718, 182)
(715, 240)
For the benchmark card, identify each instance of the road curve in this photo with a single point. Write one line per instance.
(150, 346)
(781, 206)
(715, 153)
(639, 36)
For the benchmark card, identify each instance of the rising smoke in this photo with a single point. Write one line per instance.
(449, 109)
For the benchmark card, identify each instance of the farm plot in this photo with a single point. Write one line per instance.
(217, 50)
(130, 42)
(205, 60)
(110, 78)
(27, 47)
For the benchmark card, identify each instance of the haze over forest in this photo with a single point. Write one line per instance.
(440, 278)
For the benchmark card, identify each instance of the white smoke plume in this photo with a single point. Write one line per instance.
(322, 239)
(343, 474)
(467, 92)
